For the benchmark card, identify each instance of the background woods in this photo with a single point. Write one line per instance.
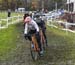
(31, 4)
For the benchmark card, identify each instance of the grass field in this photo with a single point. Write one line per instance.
(4, 15)
(61, 48)
(7, 36)
(8, 41)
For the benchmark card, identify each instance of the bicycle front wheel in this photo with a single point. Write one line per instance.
(34, 53)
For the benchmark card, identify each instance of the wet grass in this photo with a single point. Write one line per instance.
(8, 40)
(61, 50)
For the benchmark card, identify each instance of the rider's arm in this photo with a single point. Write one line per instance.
(36, 26)
(26, 28)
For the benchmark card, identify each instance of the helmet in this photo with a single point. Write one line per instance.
(26, 15)
(37, 15)
(28, 19)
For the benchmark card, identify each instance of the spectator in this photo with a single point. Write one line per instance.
(9, 12)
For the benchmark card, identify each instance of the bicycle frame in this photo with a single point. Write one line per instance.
(34, 41)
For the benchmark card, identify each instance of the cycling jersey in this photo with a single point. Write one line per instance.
(31, 26)
(40, 23)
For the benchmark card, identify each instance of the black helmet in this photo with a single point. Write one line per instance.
(37, 16)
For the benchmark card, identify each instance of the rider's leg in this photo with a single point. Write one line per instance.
(37, 37)
(44, 33)
(39, 41)
(39, 44)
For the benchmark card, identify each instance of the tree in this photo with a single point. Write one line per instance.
(48, 4)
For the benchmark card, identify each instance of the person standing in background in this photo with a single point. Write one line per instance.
(9, 12)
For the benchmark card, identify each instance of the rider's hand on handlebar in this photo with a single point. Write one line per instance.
(26, 36)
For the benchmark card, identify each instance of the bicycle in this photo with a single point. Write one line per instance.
(34, 49)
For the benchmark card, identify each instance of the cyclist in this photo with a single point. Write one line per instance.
(41, 24)
(32, 28)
